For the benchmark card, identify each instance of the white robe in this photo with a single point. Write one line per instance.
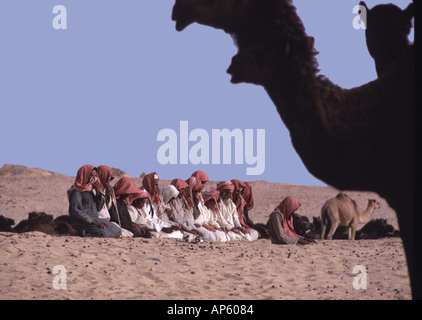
(230, 219)
(145, 218)
(189, 221)
(203, 216)
(211, 218)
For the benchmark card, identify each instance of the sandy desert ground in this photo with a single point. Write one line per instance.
(167, 269)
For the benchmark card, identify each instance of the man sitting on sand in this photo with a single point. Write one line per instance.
(142, 213)
(280, 223)
(85, 201)
(196, 184)
(185, 217)
(211, 197)
(241, 192)
(125, 191)
(161, 209)
(229, 219)
(171, 195)
(106, 175)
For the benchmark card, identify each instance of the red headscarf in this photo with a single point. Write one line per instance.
(211, 194)
(195, 184)
(125, 186)
(246, 193)
(248, 196)
(237, 185)
(200, 176)
(181, 184)
(82, 179)
(142, 193)
(286, 208)
(225, 185)
(148, 182)
(104, 173)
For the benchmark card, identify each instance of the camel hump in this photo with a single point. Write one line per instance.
(345, 198)
(341, 196)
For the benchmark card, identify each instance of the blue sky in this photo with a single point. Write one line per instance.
(100, 91)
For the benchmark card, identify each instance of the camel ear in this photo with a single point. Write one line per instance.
(409, 12)
(362, 3)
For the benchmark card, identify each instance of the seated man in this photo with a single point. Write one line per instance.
(106, 175)
(201, 214)
(280, 223)
(196, 183)
(161, 209)
(85, 201)
(142, 213)
(211, 197)
(243, 199)
(186, 218)
(229, 219)
(124, 190)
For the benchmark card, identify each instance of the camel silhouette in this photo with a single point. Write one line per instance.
(387, 33)
(352, 139)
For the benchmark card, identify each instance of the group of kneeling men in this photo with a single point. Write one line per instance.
(181, 210)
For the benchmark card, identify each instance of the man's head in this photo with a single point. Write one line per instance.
(93, 176)
(226, 190)
(105, 174)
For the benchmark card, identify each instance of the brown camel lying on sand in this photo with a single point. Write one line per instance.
(352, 139)
(6, 224)
(39, 221)
(343, 211)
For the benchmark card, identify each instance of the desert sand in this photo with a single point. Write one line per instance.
(168, 269)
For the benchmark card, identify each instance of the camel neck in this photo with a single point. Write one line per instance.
(364, 217)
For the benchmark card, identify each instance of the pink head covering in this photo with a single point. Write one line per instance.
(225, 185)
(200, 176)
(125, 186)
(211, 194)
(246, 193)
(181, 184)
(248, 196)
(104, 173)
(82, 179)
(286, 208)
(237, 185)
(148, 182)
(142, 193)
(195, 184)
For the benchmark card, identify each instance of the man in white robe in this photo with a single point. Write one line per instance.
(142, 213)
(184, 213)
(211, 197)
(229, 218)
